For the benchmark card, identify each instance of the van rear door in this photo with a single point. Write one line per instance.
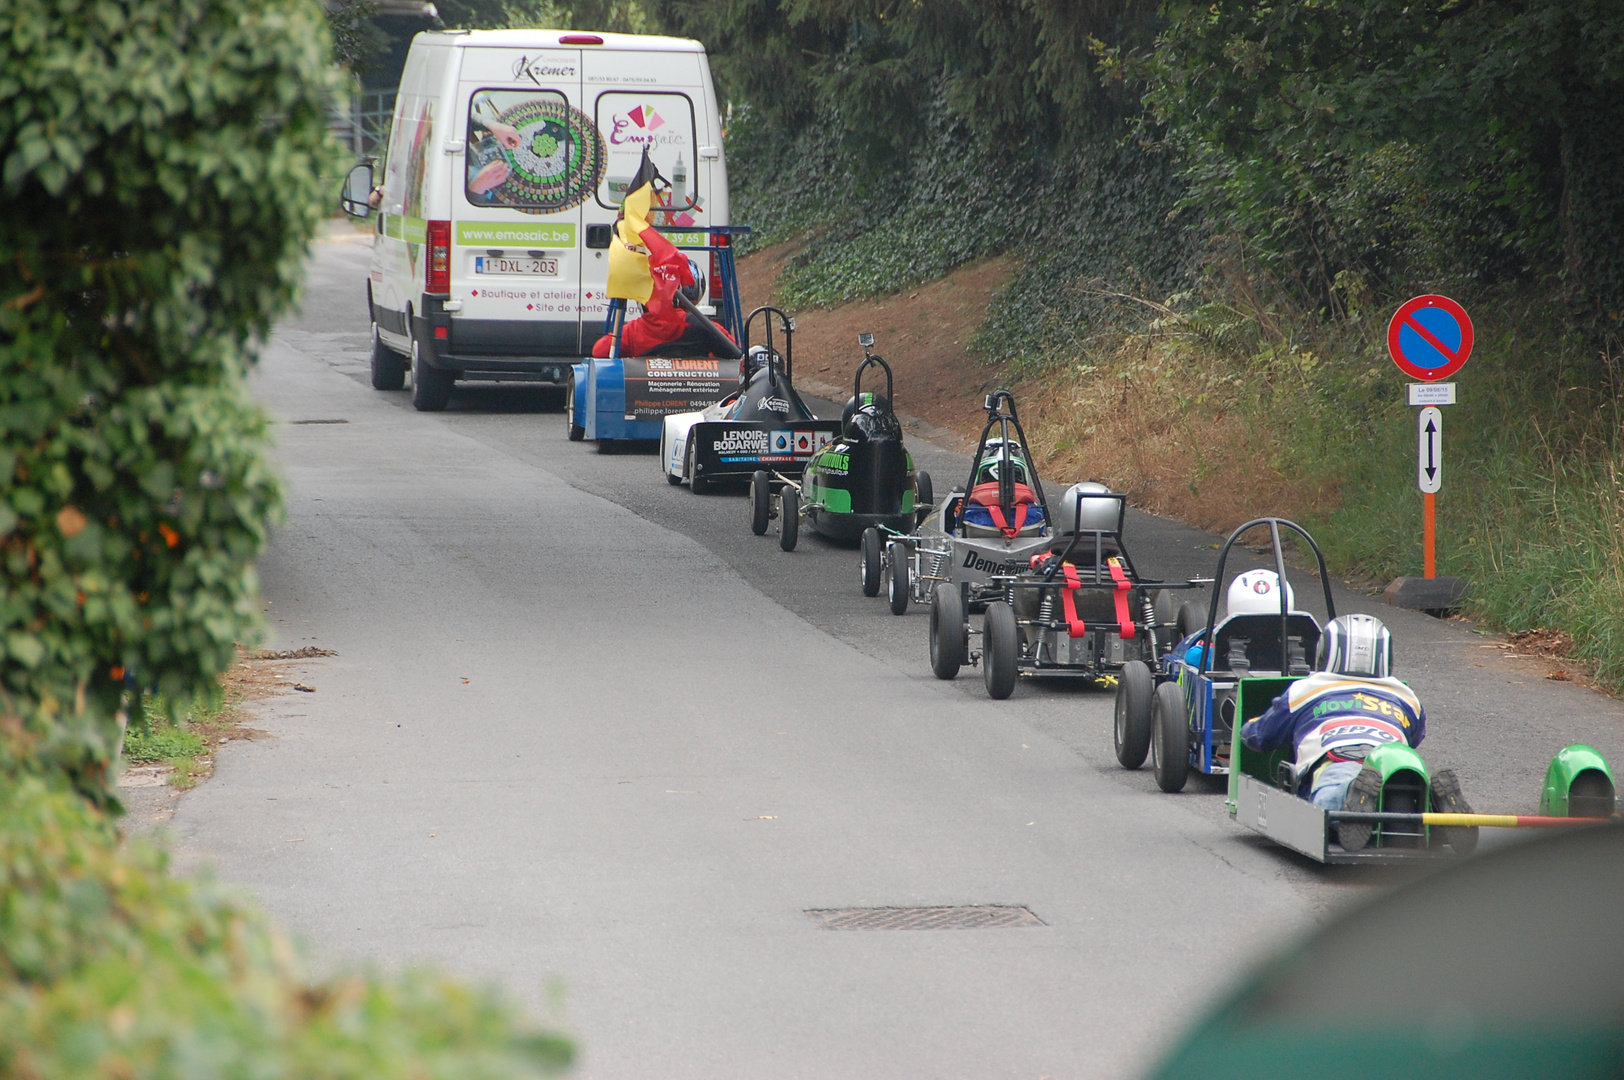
(531, 158)
(654, 100)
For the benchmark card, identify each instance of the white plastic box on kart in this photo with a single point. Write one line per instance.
(507, 159)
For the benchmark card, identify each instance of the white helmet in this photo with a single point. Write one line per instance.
(1098, 514)
(1356, 645)
(1257, 592)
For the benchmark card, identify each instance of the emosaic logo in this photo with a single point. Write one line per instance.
(534, 70)
(637, 127)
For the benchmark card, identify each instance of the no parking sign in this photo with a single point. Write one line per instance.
(1430, 338)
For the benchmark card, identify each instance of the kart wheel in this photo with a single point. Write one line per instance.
(896, 556)
(431, 387)
(1170, 738)
(949, 631)
(924, 495)
(1192, 618)
(1000, 644)
(388, 366)
(573, 427)
(789, 518)
(868, 569)
(761, 504)
(1135, 689)
(673, 479)
(696, 483)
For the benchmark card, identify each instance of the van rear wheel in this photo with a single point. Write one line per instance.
(431, 387)
(388, 366)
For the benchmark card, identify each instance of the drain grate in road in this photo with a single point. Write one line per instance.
(970, 917)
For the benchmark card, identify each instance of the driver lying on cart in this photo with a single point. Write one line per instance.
(665, 329)
(1335, 717)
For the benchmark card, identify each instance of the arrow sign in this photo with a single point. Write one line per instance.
(1429, 464)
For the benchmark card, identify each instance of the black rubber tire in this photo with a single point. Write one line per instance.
(431, 387)
(673, 479)
(1136, 686)
(761, 503)
(1169, 738)
(789, 518)
(949, 631)
(696, 483)
(388, 366)
(1000, 645)
(896, 558)
(575, 431)
(924, 494)
(1192, 618)
(868, 566)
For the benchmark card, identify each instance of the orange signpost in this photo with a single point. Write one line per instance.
(1430, 338)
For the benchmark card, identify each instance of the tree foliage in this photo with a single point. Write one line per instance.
(1464, 139)
(160, 178)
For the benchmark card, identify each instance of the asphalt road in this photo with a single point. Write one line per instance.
(587, 736)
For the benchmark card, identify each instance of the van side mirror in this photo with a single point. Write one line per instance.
(865, 340)
(357, 194)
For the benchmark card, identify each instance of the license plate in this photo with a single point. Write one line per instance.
(484, 264)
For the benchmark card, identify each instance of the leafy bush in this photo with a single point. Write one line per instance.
(160, 177)
(111, 967)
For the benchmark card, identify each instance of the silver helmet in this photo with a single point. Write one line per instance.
(1097, 513)
(1357, 645)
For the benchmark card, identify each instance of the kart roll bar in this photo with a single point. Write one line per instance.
(1099, 538)
(867, 342)
(1000, 406)
(786, 325)
(1210, 647)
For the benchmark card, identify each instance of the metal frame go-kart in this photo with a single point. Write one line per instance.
(762, 424)
(950, 561)
(864, 479)
(1073, 612)
(1196, 711)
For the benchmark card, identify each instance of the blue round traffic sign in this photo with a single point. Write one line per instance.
(1430, 337)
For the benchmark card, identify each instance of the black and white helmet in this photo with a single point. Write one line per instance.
(1099, 512)
(695, 292)
(1356, 645)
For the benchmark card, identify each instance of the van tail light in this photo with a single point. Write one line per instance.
(580, 39)
(437, 270)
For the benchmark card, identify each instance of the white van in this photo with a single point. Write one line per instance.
(507, 160)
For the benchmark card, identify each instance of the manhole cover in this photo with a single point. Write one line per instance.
(973, 917)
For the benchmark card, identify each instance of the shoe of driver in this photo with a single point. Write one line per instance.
(1447, 799)
(1364, 796)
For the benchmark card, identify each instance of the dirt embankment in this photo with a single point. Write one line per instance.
(1128, 421)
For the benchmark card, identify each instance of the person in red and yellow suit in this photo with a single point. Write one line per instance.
(646, 267)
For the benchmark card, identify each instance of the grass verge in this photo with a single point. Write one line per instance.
(1226, 411)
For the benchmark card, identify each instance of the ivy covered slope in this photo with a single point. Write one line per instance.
(161, 171)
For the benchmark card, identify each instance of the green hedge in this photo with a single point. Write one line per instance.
(160, 178)
(111, 967)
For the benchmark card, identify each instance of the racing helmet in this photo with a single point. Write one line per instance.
(754, 361)
(1257, 592)
(998, 454)
(695, 292)
(1097, 514)
(1356, 645)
